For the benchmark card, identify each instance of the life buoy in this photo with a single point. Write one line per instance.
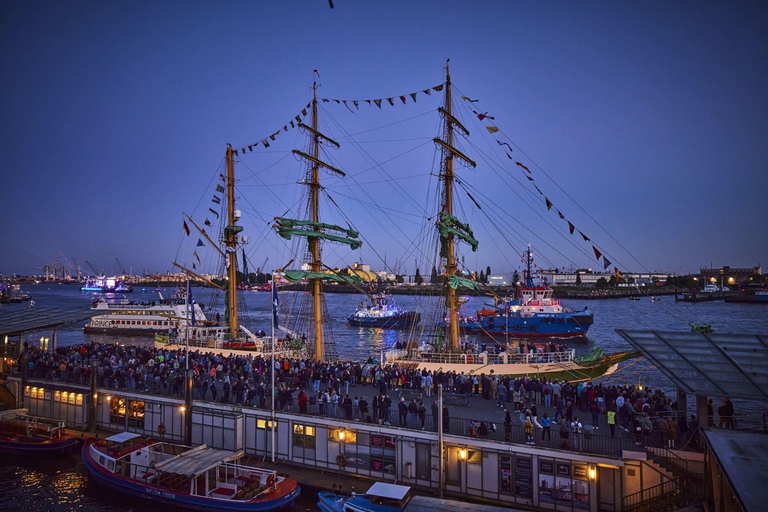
(491, 321)
(341, 459)
(161, 429)
(271, 480)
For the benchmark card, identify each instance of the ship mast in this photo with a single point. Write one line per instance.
(230, 238)
(314, 242)
(450, 265)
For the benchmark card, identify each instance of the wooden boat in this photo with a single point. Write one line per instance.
(21, 434)
(200, 478)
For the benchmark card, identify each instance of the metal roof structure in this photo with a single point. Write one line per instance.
(40, 319)
(737, 454)
(734, 365)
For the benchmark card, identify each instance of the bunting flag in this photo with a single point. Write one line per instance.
(560, 214)
(216, 199)
(196, 256)
(606, 263)
(193, 266)
(413, 96)
(345, 104)
(483, 115)
(357, 104)
(504, 144)
(438, 88)
(230, 250)
(214, 212)
(298, 119)
(571, 227)
(234, 151)
(250, 148)
(509, 156)
(292, 125)
(186, 228)
(428, 92)
(206, 234)
(207, 222)
(598, 254)
(529, 178)
(219, 189)
(521, 165)
(492, 129)
(619, 274)
(200, 242)
(403, 99)
(265, 143)
(304, 112)
(549, 204)
(378, 103)
(391, 101)
(466, 98)
(585, 237)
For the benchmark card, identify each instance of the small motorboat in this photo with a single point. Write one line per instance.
(21, 434)
(199, 478)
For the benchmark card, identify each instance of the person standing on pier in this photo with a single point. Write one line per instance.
(402, 408)
(422, 411)
(612, 420)
(413, 409)
(507, 426)
(446, 418)
(435, 412)
(576, 427)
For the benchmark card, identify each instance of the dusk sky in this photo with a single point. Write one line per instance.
(645, 124)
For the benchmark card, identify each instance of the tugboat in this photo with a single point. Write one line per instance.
(535, 314)
(383, 312)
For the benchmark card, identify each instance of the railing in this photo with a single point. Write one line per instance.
(678, 492)
(484, 358)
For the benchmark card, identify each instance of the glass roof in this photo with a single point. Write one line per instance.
(708, 364)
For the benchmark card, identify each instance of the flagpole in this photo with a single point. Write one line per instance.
(187, 300)
(274, 312)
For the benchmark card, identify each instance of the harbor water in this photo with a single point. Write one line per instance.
(63, 484)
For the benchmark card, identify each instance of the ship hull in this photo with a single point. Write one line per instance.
(537, 326)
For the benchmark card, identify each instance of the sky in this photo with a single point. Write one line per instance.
(644, 123)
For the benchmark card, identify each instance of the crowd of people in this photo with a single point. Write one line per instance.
(649, 416)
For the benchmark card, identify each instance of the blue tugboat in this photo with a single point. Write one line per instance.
(382, 311)
(536, 314)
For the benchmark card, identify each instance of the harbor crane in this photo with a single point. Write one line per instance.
(95, 270)
(120, 267)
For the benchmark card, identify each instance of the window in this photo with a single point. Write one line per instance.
(264, 424)
(475, 457)
(304, 436)
(117, 410)
(136, 418)
(335, 434)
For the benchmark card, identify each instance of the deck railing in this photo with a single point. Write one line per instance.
(566, 356)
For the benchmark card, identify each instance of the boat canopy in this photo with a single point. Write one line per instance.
(392, 491)
(197, 461)
(123, 437)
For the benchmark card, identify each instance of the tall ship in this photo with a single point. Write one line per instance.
(442, 344)
(535, 314)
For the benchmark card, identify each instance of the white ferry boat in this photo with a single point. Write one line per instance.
(147, 318)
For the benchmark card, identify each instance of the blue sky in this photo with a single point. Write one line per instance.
(651, 119)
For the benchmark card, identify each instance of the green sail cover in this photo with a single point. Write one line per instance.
(286, 229)
(448, 226)
(592, 357)
(295, 276)
(456, 281)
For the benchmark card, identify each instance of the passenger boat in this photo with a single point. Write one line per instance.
(383, 497)
(106, 285)
(383, 311)
(21, 434)
(199, 478)
(142, 318)
(536, 314)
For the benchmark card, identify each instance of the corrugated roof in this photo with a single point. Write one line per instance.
(197, 461)
(707, 363)
(39, 318)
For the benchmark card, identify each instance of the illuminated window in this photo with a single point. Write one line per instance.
(474, 456)
(335, 434)
(304, 436)
(264, 424)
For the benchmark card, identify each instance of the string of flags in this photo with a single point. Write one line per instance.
(293, 123)
(482, 116)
